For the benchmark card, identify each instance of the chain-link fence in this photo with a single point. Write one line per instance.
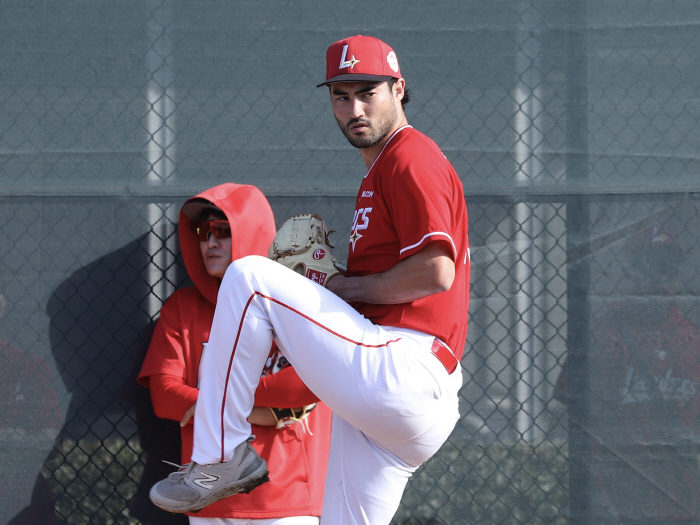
(574, 126)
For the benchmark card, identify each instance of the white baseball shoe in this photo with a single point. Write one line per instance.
(196, 486)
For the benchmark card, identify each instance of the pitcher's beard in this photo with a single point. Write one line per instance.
(378, 130)
(364, 142)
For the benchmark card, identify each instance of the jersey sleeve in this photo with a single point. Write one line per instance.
(171, 397)
(419, 198)
(166, 352)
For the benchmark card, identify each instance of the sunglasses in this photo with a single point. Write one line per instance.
(220, 230)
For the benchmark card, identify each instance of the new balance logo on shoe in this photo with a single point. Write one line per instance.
(206, 481)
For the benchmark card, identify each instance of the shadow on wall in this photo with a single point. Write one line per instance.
(30, 417)
(110, 450)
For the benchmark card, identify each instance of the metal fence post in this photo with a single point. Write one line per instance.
(578, 271)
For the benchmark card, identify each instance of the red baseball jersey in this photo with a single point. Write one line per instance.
(412, 196)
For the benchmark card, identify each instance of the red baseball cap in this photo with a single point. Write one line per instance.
(360, 59)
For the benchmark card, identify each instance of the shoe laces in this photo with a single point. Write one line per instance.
(181, 471)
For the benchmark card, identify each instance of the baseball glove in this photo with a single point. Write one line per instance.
(289, 416)
(302, 245)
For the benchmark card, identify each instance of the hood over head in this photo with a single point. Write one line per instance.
(252, 229)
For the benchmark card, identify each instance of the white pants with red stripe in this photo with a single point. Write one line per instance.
(394, 403)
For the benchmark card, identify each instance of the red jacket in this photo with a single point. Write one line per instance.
(297, 456)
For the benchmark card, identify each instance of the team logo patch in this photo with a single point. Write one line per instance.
(316, 276)
(392, 61)
(319, 254)
(347, 63)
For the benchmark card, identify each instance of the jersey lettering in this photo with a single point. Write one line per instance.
(638, 390)
(355, 235)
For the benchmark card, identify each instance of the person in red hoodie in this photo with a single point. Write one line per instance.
(644, 393)
(216, 227)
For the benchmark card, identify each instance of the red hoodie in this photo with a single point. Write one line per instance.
(297, 456)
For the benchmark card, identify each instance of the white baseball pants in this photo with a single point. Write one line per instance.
(394, 403)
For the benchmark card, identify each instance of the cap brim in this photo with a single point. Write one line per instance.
(198, 209)
(355, 78)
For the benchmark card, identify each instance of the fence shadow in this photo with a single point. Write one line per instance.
(110, 449)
